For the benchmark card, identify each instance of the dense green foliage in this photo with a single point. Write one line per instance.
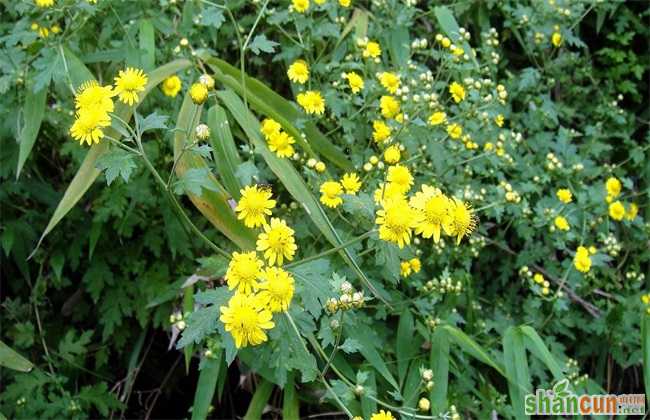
(113, 279)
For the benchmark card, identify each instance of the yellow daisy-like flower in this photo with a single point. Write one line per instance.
(277, 242)
(281, 144)
(354, 81)
(88, 127)
(255, 204)
(372, 50)
(564, 195)
(312, 102)
(331, 194)
(499, 120)
(243, 272)
(44, 3)
(396, 221)
(461, 221)
(632, 211)
(269, 127)
(613, 187)
(351, 183)
(405, 269)
(437, 118)
(434, 210)
(198, 93)
(457, 92)
(390, 81)
(400, 176)
(171, 86)
(298, 72)
(388, 192)
(556, 39)
(345, 3)
(454, 130)
(617, 210)
(389, 106)
(128, 83)
(92, 96)
(582, 261)
(300, 6)
(561, 223)
(392, 154)
(381, 131)
(416, 265)
(276, 289)
(246, 318)
(383, 415)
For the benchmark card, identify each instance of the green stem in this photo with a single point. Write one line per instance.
(331, 250)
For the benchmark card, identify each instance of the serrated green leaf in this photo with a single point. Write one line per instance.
(116, 162)
(194, 181)
(261, 44)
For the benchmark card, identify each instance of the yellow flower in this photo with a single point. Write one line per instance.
(405, 269)
(613, 187)
(400, 176)
(561, 223)
(389, 106)
(45, 3)
(372, 50)
(415, 264)
(270, 127)
(88, 127)
(632, 211)
(382, 415)
(388, 192)
(128, 83)
(243, 272)
(424, 404)
(298, 72)
(56, 29)
(582, 261)
(434, 210)
(499, 120)
(281, 144)
(457, 92)
(171, 86)
(312, 102)
(92, 96)
(276, 289)
(392, 154)
(320, 167)
(198, 93)
(390, 81)
(381, 131)
(300, 6)
(351, 183)
(320, 2)
(556, 39)
(254, 205)
(246, 318)
(461, 221)
(454, 130)
(354, 81)
(538, 278)
(345, 3)
(277, 242)
(617, 210)
(437, 118)
(564, 195)
(331, 194)
(396, 221)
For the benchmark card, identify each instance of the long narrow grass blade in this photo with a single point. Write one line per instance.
(225, 151)
(206, 386)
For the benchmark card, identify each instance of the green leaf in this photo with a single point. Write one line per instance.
(645, 347)
(404, 346)
(147, 45)
(262, 44)
(212, 16)
(224, 149)
(200, 323)
(516, 365)
(471, 347)
(206, 386)
(12, 360)
(368, 349)
(536, 345)
(439, 361)
(100, 397)
(152, 121)
(292, 181)
(116, 162)
(32, 112)
(70, 346)
(350, 345)
(194, 181)
(312, 285)
(260, 398)
(290, 403)
(87, 173)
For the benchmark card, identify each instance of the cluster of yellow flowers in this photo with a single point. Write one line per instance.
(278, 141)
(331, 191)
(94, 104)
(617, 210)
(410, 267)
(260, 291)
(302, 6)
(582, 259)
(44, 31)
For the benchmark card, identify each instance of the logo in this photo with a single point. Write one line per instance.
(561, 401)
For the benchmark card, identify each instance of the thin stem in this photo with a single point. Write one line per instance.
(331, 250)
(243, 52)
